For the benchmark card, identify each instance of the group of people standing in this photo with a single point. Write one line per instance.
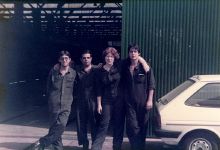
(118, 90)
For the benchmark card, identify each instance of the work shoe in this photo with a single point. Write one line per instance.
(116, 147)
(38, 146)
(50, 147)
(85, 146)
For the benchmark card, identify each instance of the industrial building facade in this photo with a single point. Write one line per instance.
(179, 38)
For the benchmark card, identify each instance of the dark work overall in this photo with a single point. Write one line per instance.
(60, 97)
(107, 88)
(86, 105)
(137, 87)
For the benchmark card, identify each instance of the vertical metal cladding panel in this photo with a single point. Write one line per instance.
(179, 38)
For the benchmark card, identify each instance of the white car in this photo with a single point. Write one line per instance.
(189, 115)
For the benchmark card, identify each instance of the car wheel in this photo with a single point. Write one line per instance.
(200, 141)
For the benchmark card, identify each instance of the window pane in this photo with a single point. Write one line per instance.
(207, 96)
(172, 94)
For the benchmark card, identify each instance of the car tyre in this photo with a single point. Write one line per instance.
(200, 141)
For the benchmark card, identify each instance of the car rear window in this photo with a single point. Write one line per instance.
(207, 96)
(173, 93)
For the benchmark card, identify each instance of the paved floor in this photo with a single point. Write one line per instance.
(24, 119)
(19, 133)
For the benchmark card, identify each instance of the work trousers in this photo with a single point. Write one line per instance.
(103, 126)
(86, 115)
(119, 112)
(58, 123)
(136, 123)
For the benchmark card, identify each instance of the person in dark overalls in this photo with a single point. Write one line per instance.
(86, 99)
(108, 77)
(60, 96)
(119, 109)
(139, 87)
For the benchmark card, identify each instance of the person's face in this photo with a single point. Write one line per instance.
(86, 59)
(109, 59)
(133, 54)
(65, 60)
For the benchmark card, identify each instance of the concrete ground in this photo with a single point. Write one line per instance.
(21, 131)
(24, 119)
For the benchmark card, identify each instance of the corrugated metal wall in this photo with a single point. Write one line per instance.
(179, 38)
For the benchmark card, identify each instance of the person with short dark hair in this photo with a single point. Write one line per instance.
(139, 87)
(119, 110)
(86, 99)
(60, 96)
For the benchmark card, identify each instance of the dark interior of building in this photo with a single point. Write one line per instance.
(33, 33)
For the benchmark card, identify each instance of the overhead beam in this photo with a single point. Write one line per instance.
(66, 1)
(69, 9)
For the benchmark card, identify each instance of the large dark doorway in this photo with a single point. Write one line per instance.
(33, 32)
(31, 35)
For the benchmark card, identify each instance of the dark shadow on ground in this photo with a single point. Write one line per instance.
(12, 145)
(72, 148)
(151, 146)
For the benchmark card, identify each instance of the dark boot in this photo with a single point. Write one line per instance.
(116, 147)
(86, 146)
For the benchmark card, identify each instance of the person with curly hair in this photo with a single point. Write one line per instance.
(108, 77)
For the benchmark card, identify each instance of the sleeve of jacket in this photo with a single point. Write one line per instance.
(151, 80)
(49, 82)
(98, 83)
(76, 87)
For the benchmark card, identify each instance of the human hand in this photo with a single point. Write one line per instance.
(56, 66)
(99, 109)
(99, 65)
(144, 63)
(149, 105)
